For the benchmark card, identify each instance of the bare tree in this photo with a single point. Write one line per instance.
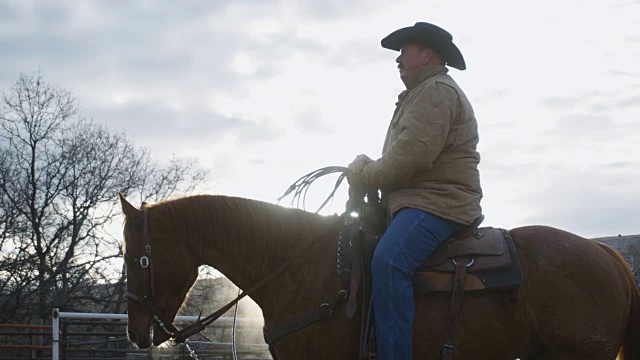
(59, 176)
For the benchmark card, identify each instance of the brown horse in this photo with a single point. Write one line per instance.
(579, 299)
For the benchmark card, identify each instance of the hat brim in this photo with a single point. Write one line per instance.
(408, 35)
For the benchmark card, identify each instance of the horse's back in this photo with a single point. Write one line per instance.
(553, 258)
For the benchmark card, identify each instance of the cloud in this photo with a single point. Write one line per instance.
(7, 11)
(335, 9)
(616, 72)
(136, 44)
(628, 102)
(594, 101)
(310, 122)
(500, 169)
(357, 53)
(129, 64)
(567, 102)
(154, 122)
(95, 42)
(238, 84)
(594, 126)
(491, 95)
(618, 165)
(632, 39)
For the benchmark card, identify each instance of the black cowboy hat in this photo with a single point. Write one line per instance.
(428, 35)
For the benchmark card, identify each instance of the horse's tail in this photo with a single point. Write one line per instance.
(631, 343)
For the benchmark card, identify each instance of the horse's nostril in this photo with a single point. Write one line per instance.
(132, 336)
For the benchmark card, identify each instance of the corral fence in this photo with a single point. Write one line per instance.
(29, 340)
(97, 336)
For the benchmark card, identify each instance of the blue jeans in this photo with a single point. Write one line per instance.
(410, 239)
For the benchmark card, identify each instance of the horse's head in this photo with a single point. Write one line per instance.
(160, 272)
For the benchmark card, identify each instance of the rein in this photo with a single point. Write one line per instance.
(301, 186)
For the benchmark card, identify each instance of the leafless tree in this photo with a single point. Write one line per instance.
(59, 177)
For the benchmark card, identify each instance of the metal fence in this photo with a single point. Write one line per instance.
(96, 336)
(24, 340)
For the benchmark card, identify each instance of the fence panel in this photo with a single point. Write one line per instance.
(103, 336)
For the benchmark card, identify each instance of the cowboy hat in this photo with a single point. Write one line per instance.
(430, 36)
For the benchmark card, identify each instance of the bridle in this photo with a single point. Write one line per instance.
(146, 265)
(181, 336)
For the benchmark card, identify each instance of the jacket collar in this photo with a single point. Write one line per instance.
(412, 79)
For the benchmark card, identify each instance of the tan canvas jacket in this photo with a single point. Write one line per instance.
(429, 159)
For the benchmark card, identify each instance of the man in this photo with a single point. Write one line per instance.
(428, 175)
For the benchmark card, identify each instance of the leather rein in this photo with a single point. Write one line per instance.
(181, 336)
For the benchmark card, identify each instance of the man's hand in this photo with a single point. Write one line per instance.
(355, 177)
(359, 163)
(357, 181)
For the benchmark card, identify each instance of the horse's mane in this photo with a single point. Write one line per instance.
(219, 216)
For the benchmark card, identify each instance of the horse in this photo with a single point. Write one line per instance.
(578, 299)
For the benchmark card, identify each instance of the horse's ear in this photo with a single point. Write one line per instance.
(128, 209)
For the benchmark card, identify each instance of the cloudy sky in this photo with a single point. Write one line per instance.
(264, 91)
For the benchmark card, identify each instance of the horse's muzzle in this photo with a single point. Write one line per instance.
(143, 342)
(159, 336)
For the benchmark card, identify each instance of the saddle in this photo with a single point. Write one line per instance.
(490, 258)
(474, 259)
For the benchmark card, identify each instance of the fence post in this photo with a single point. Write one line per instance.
(55, 334)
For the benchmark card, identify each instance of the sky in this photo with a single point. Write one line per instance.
(262, 92)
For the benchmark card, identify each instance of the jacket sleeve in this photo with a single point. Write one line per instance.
(423, 133)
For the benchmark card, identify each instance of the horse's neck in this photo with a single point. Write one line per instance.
(249, 242)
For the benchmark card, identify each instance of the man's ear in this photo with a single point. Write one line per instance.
(428, 56)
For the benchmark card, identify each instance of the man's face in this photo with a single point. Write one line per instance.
(412, 57)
